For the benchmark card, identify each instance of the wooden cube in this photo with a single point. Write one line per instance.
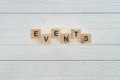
(85, 38)
(45, 38)
(35, 33)
(56, 33)
(75, 33)
(65, 38)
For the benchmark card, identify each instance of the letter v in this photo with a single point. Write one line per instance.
(46, 38)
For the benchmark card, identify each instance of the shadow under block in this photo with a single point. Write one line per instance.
(85, 38)
(65, 38)
(35, 33)
(45, 38)
(56, 33)
(75, 33)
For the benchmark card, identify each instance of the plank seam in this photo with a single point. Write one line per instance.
(60, 12)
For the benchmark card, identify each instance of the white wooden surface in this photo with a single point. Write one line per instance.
(22, 58)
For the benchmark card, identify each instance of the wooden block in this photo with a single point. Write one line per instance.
(35, 33)
(45, 38)
(55, 33)
(75, 33)
(65, 38)
(85, 38)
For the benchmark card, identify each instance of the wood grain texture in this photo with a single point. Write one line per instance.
(46, 21)
(24, 58)
(84, 70)
(59, 6)
(60, 52)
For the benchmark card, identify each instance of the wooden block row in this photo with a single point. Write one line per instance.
(64, 37)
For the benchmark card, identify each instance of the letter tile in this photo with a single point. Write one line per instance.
(45, 38)
(65, 38)
(35, 33)
(75, 33)
(85, 38)
(56, 33)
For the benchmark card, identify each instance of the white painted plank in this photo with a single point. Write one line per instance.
(60, 70)
(61, 78)
(48, 6)
(99, 36)
(28, 21)
(60, 52)
(30, 60)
